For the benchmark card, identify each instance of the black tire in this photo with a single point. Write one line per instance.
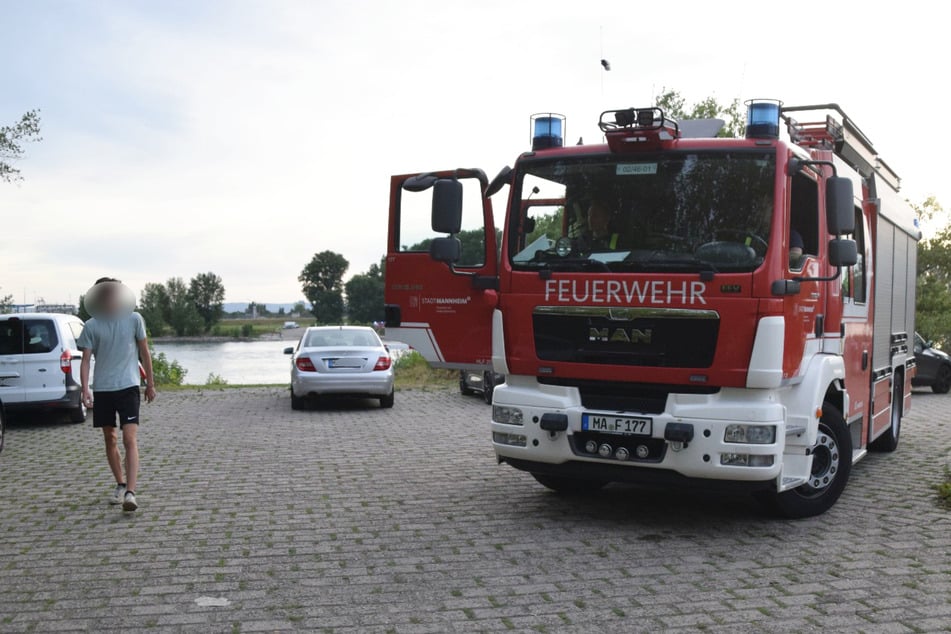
(78, 414)
(297, 402)
(889, 440)
(942, 382)
(3, 427)
(569, 486)
(488, 387)
(386, 402)
(831, 466)
(463, 388)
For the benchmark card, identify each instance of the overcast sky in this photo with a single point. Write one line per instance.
(243, 137)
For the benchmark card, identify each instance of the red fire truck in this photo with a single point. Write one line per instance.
(670, 307)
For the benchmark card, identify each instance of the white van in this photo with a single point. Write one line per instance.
(39, 363)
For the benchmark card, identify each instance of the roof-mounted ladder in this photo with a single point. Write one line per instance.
(841, 136)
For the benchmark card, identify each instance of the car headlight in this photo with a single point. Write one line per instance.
(507, 415)
(750, 434)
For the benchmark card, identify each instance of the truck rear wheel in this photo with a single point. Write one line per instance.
(831, 465)
(569, 486)
(889, 440)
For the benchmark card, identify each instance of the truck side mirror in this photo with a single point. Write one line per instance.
(840, 208)
(446, 250)
(447, 206)
(843, 252)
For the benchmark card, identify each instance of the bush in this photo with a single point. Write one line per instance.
(412, 371)
(167, 372)
(247, 330)
(215, 380)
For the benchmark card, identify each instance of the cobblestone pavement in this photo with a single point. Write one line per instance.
(350, 518)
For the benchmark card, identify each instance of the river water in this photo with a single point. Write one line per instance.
(237, 362)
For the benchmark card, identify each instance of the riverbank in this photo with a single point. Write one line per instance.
(282, 334)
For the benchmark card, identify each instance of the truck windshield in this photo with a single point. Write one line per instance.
(683, 211)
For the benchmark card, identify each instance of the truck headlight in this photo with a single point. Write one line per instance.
(507, 415)
(750, 434)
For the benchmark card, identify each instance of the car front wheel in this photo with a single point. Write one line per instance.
(942, 382)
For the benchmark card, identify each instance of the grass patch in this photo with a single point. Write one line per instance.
(413, 372)
(943, 489)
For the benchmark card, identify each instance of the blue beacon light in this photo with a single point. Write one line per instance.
(547, 130)
(762, 118)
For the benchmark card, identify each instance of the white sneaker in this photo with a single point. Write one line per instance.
(129, 503)
(118, 494)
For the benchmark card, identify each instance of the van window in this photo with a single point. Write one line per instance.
(76, 328)
(40, 336)
(11, 336)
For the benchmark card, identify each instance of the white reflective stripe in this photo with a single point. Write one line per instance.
(420, 337)
(766, 361)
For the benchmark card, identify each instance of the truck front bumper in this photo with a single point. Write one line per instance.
(702, 436)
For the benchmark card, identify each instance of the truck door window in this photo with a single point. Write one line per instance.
(853, 279)
(415, 229)
(803, 217)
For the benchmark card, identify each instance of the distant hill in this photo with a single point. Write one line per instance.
(240, 307)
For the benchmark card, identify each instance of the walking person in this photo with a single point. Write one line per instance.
(116, 337)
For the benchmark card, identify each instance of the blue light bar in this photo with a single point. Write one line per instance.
(547, 130)
(762, 118)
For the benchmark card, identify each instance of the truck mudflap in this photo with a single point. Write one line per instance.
(730, 435)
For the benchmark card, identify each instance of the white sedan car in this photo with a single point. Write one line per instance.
(340, 361)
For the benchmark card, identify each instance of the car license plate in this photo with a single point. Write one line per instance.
(624, 425)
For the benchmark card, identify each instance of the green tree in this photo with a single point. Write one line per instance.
(365, 295)
(299, 309)
(11, 139)
(933, 289)
(155, 308)
(674, 105)
(472, 243)
(322, 283)
(182, 315)
(82, 313)
(207, 293)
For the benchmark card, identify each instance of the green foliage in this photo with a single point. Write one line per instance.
(182, 314)
(153, 306)
(472, 242)
(6, 303)
(215, 380)
(933, 299)
(674, 105)
(412, 371)
(11, 138)
(322, 283)
(83, 313)
(167, 372)
(207, 292)
(549, 225)
(943, 489)
(365, 295)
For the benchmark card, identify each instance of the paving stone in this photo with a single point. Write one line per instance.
(351, 518)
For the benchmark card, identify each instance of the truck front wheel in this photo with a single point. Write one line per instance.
(569, 486)
(831, 465)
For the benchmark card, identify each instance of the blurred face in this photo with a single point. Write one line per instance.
(599, 219)
(795, 255)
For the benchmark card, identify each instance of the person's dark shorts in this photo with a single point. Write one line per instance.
(121, 404)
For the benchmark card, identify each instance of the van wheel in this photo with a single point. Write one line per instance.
(2, 427)
(386, 402)
(889, 440)
(831, 465)
(78, 414)
(569, 486)
(297, 402)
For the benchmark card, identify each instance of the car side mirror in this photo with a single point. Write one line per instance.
(843, 252)
(289, 350)
(447, 206)
(447, 250)
(840, 206)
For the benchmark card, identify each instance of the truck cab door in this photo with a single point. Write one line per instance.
(442, 310)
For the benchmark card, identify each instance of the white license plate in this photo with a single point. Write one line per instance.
(625, 425)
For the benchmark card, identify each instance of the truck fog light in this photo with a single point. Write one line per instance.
(734, 459)
(760, 461)
(507, 415)
(622, 453)
(750, 434)
(605, 450)
(591, 446)
(513, 440)
(642, 451)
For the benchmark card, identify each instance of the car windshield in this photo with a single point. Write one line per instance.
(676, 211)
(341, 339)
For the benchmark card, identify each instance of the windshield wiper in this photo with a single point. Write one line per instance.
(681, 261)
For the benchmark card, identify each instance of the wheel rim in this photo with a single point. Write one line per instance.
(825, 464)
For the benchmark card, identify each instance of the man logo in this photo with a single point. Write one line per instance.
(622, 335)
